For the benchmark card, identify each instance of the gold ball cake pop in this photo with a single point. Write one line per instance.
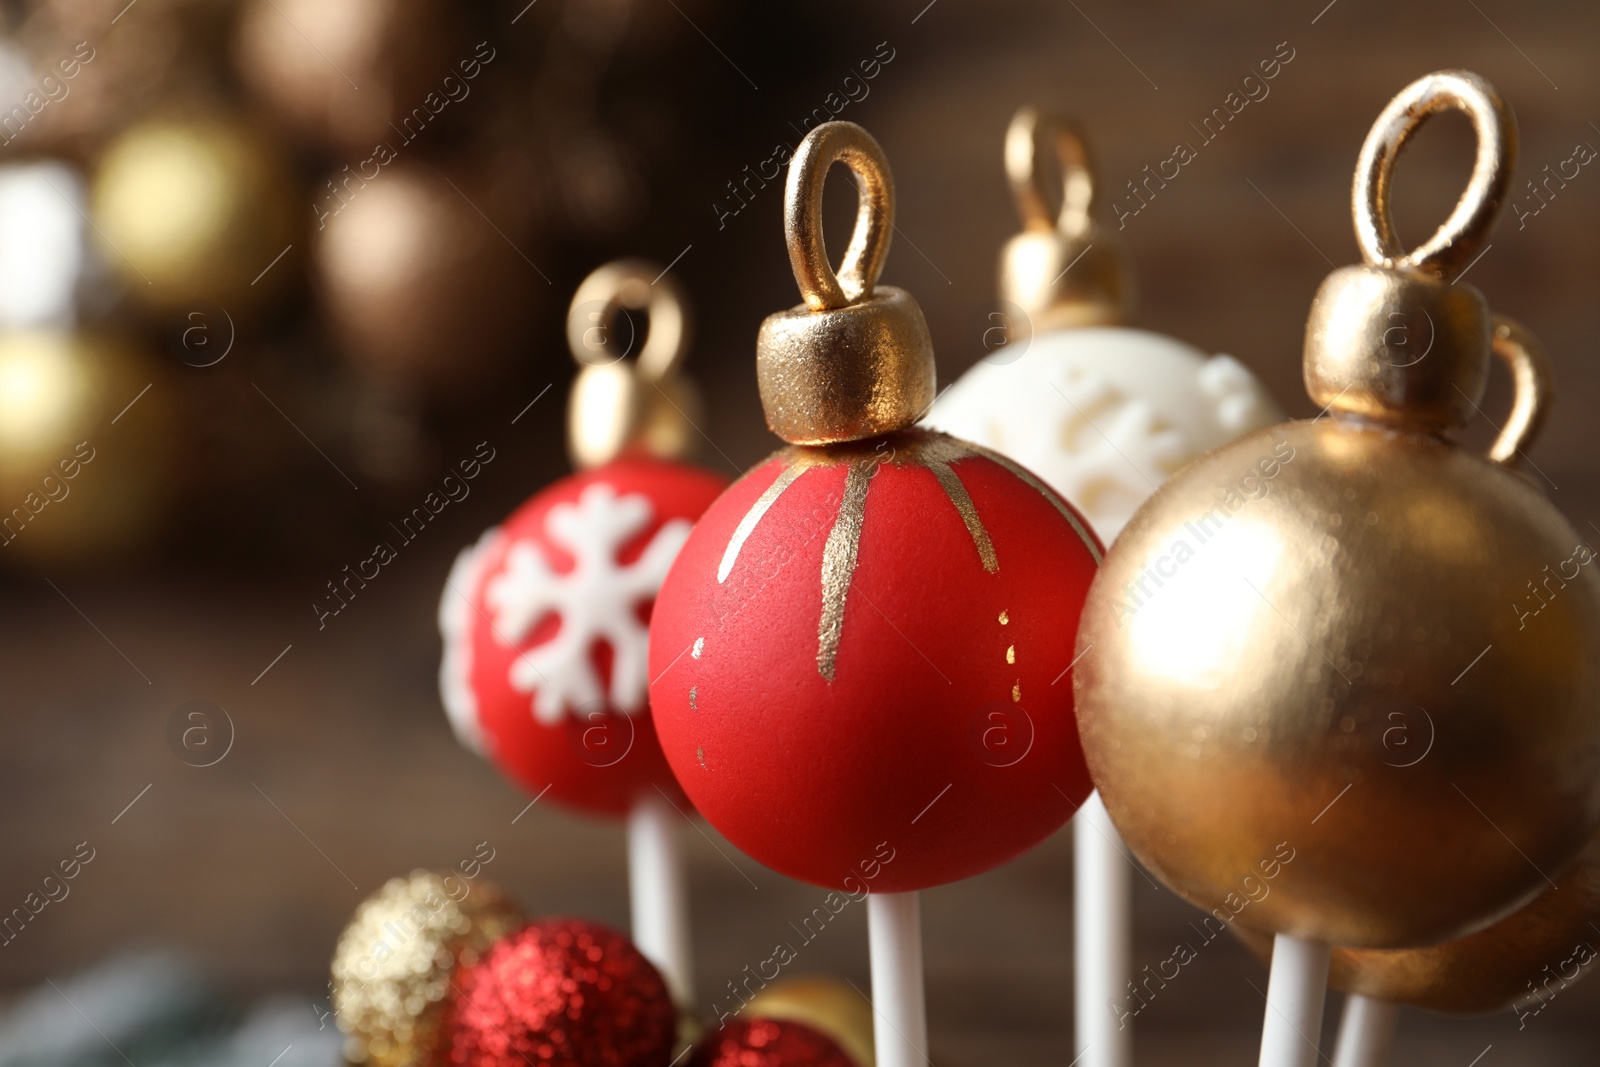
(1282, 604)
(393, 968)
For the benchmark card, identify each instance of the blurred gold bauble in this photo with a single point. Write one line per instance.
(97, 86)
(85, 446)
(1341, 679)
(827, 1005)
(195, 211)
(423, 289)
(1550, 942)
(342, 70)
(394, 965)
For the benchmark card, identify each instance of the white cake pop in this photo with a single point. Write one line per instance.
(1101, 411)
(1104, 413)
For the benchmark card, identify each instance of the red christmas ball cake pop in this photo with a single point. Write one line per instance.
(545, 618)
(859, 656)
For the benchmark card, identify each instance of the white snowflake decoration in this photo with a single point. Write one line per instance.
(455, 626)
(1118, 443)
(595, 601)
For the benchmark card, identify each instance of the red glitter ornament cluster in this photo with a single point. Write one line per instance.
(768, 1043)
(562, 993)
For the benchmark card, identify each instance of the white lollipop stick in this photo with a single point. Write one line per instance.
(658, 886)
(894, 938)
(1366, 1032)
(1295, 994)
(1101, 936)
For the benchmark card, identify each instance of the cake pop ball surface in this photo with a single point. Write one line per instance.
(860, 662)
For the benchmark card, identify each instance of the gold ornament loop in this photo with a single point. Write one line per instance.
(855, 360)
(1532, 388)
(619, 287)
(1458, 238)
(1078, 194)
(1063, 270)
(822, 287)
(619, 406)
(1400, 339)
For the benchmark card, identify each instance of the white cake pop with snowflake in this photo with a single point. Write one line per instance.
(1104, 413)
(1101, 411)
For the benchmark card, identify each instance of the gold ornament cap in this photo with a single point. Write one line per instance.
(1400, 340)
(621, 406)
(855, 360)
(1063, 269)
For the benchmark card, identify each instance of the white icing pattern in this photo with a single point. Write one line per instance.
(1106, 432)
(1105, 414)
(595, 601)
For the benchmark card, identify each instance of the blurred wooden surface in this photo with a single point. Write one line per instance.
(343, 771)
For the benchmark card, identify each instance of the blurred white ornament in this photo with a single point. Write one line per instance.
(1104, 414)
(42, 249)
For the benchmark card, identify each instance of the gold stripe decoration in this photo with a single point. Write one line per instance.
(1045, 491)
(747, 525)
(839, 565)
(937, 455)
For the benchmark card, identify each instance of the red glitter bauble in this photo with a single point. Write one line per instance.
(768, 1043)
(562, 993)
(875, 691)
(545, 628)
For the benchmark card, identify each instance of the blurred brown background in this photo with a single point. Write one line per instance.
(601, 128)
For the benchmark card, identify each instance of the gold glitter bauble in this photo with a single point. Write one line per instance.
(394, 966)
(827, 1005)
(195, 211)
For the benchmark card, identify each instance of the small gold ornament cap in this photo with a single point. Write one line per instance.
(1400, 340)
(855, 360)
(621, 405)
(1063, 269)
